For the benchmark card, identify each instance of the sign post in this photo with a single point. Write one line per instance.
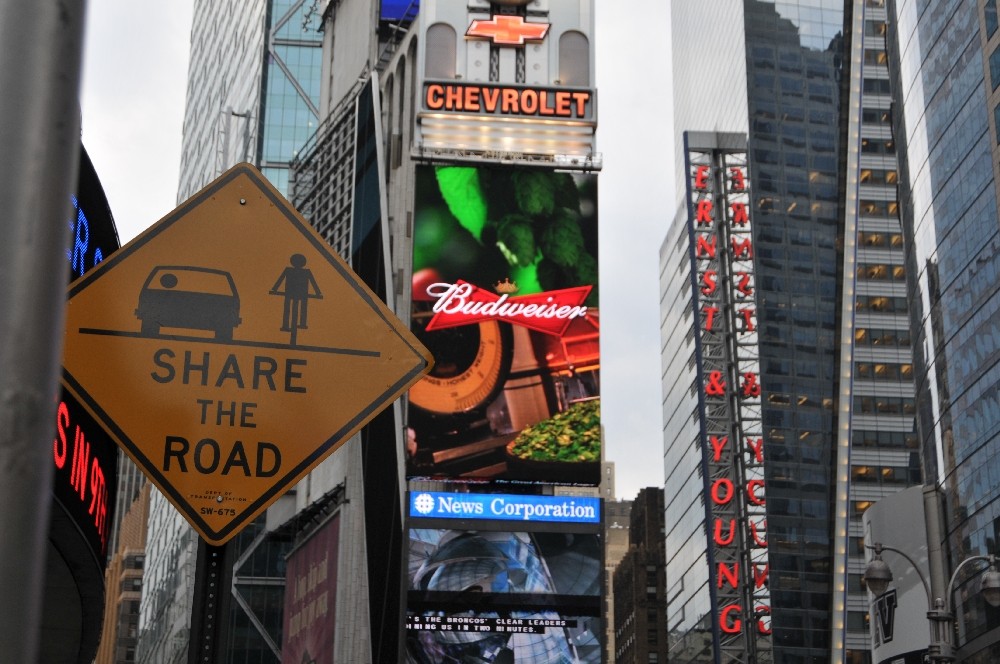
(228, 350)
(39, 140)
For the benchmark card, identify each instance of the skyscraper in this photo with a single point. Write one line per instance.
(814, 352)
(945, 65)
(639, 618)
(253, 89)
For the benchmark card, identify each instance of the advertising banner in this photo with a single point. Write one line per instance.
(311, 597)
(504, 507)
(898, 624)
(529, 596)
(727, 347)
(505, 297)
(508, 81)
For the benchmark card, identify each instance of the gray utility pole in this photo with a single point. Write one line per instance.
(39, 144)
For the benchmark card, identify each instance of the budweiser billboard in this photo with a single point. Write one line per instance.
(505, 296)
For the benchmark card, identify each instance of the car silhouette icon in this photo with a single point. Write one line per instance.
(188, 297)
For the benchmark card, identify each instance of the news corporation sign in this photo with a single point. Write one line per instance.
(505, 507)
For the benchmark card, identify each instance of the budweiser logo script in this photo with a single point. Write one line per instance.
(463, 304)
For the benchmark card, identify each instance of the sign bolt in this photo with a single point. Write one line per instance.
(243, 201)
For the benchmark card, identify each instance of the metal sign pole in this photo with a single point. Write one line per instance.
(40, 144)
(213, 581)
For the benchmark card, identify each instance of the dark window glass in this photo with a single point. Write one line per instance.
(995, 67)
(990, 10)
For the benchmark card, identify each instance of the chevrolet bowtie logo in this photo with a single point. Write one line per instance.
(508, 30)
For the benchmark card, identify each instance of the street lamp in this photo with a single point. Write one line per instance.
(878, 576)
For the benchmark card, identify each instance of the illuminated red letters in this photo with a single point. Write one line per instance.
(750, 387)
(740, 217)
(730, 625)
(743, 284)
(742, 250)
(726, 494)
(709, 282)
(59, 445)
(716, 385)
(733, 444)
(718, 444)
(729, 574)
(85, 472)
(705, 247)
(701, 177)
(760, 575)
(500, 100)
(704, 214)
(762, 612)
(719, 539)
(755, 532)
(737, 180)
(710, 316)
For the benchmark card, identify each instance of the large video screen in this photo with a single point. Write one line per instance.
(528, 596)
(505, 296)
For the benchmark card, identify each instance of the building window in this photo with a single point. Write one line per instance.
(990, 12)
(996, 122)
(440, 51)
(574, 59)
(876, 57)
(876, 86)
(995, 67)
(875, 28)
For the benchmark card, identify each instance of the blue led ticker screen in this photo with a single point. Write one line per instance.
(394, 10)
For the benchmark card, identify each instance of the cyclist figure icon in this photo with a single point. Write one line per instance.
(299, 286)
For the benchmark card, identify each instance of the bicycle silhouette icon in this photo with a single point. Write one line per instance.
(299, 287)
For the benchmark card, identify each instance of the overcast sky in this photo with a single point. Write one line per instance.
(134, 82)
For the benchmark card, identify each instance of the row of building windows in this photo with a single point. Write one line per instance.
(885, 475)
(881, 304)
(881, 272)
(896, 439)
(877, 240)
(879, 209)
(883, 371)
(878, 146)
(879, 86)
(880, 116)
(884, 406)
(881, 338)
(877, 175)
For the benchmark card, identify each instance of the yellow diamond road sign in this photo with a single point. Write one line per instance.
(229, 350)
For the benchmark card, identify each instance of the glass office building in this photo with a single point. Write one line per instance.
(837, 402)
(945, 61)
(253, 91)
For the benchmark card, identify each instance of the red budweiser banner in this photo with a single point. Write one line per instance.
(463, 303)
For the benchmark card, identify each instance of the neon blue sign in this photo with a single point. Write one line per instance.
(504, 507)
(78, 256)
